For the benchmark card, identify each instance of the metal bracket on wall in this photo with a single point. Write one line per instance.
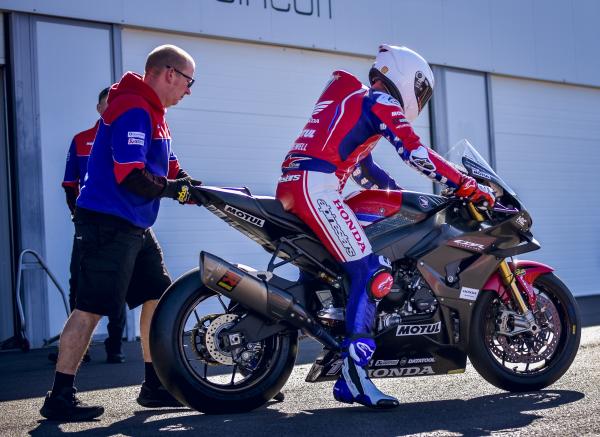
(20, 340)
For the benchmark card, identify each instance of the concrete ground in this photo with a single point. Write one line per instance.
(442, 405)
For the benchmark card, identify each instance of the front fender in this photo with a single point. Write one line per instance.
(533, 269)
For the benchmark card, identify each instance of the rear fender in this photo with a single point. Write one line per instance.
(532, 269)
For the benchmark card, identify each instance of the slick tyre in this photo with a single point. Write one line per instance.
(490, 353)
(168, 346)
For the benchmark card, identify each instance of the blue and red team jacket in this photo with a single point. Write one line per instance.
(346, 123)
(77, 158)
(132, 133)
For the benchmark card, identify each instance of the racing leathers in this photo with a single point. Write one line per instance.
(345, 125)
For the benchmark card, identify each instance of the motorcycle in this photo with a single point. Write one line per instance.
(224, 337)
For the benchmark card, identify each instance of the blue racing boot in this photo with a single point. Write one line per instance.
(354, 385)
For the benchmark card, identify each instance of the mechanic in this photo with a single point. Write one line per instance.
(346, 123)
(131, 166)
(75, 171)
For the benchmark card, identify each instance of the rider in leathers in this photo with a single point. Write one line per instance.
(345, 125)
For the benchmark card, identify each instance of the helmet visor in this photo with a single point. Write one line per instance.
(423, 89)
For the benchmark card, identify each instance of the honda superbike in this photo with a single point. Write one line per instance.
(224, 337)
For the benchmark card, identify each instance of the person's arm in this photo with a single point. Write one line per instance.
(70, 181)
(398, 131)
(369, 175)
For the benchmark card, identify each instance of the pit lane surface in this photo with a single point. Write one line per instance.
(459, 405)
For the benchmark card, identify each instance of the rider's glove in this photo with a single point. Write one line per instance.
(476, 193)
(179, 189)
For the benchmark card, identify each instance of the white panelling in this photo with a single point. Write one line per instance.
(547, 140)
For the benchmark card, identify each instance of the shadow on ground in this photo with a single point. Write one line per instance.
(480, 416)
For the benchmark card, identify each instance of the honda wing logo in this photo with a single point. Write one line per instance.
(321, 105)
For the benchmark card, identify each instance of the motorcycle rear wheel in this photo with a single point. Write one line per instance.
(187, 369)
(526, 362)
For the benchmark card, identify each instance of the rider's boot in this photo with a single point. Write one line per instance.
(354, 385)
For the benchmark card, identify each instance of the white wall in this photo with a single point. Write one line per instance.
(547, 149)
(68, 89)
(555, 40)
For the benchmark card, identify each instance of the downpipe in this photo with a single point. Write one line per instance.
(260, 296)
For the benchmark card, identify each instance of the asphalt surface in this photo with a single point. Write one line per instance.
(458, 405)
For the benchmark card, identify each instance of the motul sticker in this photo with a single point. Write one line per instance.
(229, 280)
(433, 328)
(245, 216)
(469, 293)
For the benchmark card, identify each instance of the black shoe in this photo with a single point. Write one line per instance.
(53, 356)
(156, 397)
(279, 397)
(115, 358)
(66, 407)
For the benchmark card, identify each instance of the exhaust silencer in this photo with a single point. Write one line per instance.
(260, 296)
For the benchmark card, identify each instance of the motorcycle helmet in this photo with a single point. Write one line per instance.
(406, 75)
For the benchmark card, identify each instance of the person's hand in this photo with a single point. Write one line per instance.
(476, 193)
(179, 189)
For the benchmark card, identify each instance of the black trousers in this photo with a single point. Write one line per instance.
(116, 324)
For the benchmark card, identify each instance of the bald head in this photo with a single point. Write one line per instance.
(170, 55)
(169, 72)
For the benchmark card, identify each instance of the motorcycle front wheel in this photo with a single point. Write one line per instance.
(193, 362)
(526, 361)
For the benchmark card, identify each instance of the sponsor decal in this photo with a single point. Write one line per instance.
(135, 142)
(465, 244)
(521, 221)
(424, 360)
(313, 121)
(300, 146)
(245, 216)
(330, 216)
(380, 363)
(140, 135)
(480, 173)
(384, 69)
(400, 371)
(320, 106)
(424, 202)
(183, 195)
(382, 126)
(469, 293)
(308, 133)
(433, 328)
(229, 280)
(289, 178)
(350, 223)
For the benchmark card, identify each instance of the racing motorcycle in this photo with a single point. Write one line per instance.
(224, 336)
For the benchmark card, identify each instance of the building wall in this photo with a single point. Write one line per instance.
(543, 39)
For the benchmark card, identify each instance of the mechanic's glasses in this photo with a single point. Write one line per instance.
(191, 80)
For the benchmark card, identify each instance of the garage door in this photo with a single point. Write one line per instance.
(547, 139)
(247, 106)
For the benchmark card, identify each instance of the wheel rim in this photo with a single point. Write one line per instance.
(528, 354)
(207, 358)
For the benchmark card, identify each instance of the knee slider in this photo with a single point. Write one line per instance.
(381, 283)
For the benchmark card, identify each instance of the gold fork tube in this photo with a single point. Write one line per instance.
(509, 281)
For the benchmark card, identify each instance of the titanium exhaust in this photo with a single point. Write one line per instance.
(260, 296)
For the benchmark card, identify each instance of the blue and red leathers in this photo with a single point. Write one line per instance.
(133, 133)
(77, 158)
(346, 123)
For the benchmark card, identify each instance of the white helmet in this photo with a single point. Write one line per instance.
(406, 75)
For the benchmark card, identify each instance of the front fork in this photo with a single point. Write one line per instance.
(511, 280)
